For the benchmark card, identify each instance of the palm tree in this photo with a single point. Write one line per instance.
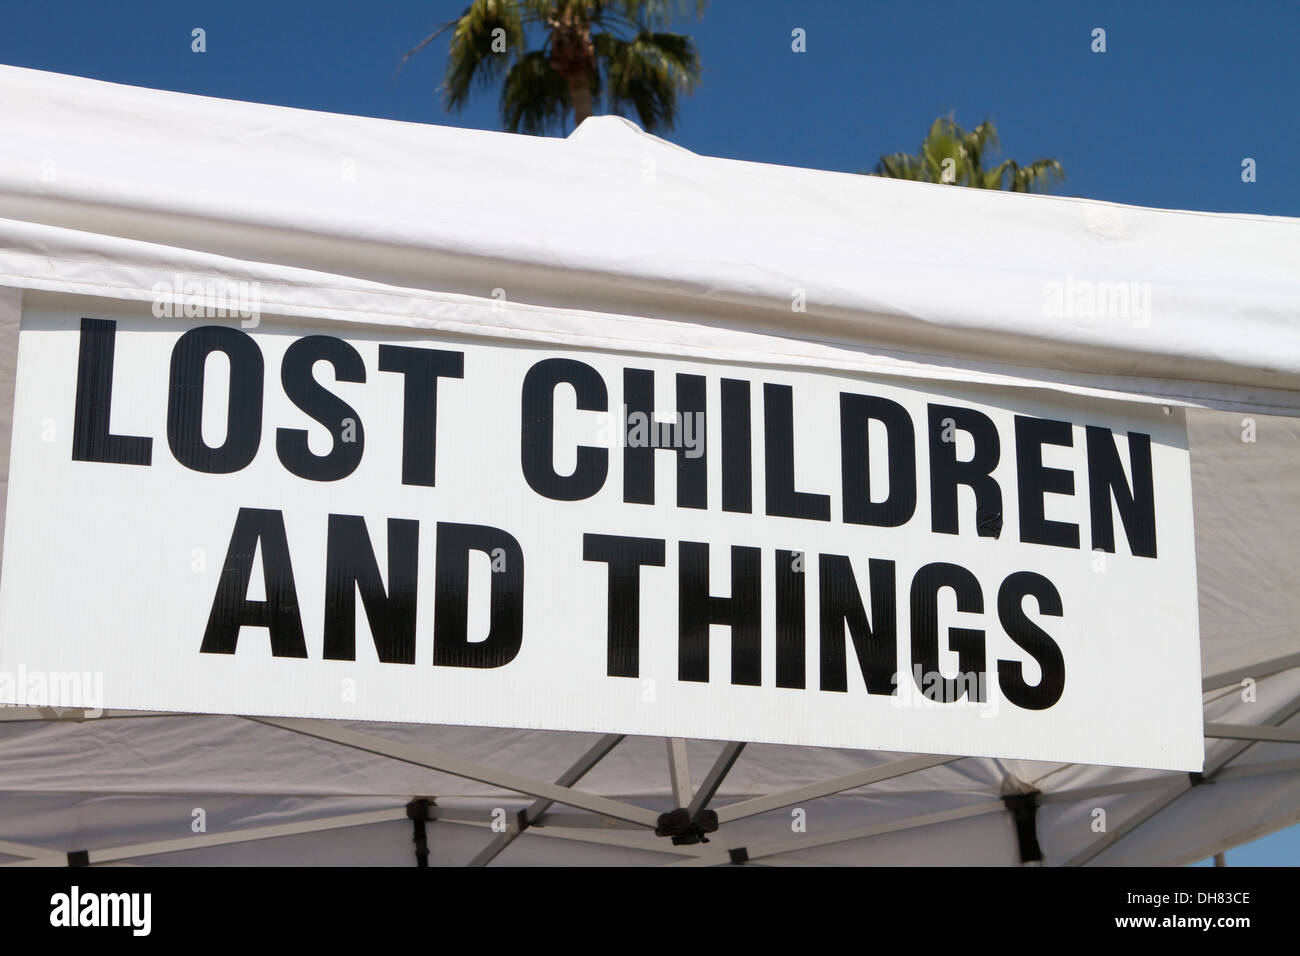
(950, 154)
(615, 49)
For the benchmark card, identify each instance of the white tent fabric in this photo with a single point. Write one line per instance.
(618, 240)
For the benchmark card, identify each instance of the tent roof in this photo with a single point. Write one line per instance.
(631, 225)
(615, 239)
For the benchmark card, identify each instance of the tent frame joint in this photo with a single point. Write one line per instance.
(684, 829)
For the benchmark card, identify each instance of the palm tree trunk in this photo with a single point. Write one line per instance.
(573, 56)
(580, 95)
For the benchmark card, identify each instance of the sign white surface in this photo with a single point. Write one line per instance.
(313, 534)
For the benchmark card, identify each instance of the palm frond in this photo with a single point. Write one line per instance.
(534, 97)
(1041, 174)
(997, 177)
(443, 28)
(967, 153)
(651, 14)
(975, 144)
(471, 61)
(647, 72)
(901, 166)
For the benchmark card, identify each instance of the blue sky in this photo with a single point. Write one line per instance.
(1184, 92)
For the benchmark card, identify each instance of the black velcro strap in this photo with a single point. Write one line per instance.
(1025, 808)
(418, 811)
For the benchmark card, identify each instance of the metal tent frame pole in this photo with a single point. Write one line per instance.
(761, 851)
(788, 798)
(717, 773)
(531, 815)
(458, 767)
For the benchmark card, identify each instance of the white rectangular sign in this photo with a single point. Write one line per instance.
(330, 521)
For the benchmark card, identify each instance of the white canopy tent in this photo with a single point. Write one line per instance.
(616, 240)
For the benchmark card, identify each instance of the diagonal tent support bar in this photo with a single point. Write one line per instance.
(1277, 735)
(200, 841)
(1258, 769)
(588, 830)
(616, 838)
(1160, 783)
(23, 850)
(1253, 672)
(531, 815)
(723, 857)
(679, 771)
(1164, 782)
(788, 798)
(1108, 789)
(1179, 789)
(585, 820)
(1148, 811)
(445, 763)
(717, 773)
